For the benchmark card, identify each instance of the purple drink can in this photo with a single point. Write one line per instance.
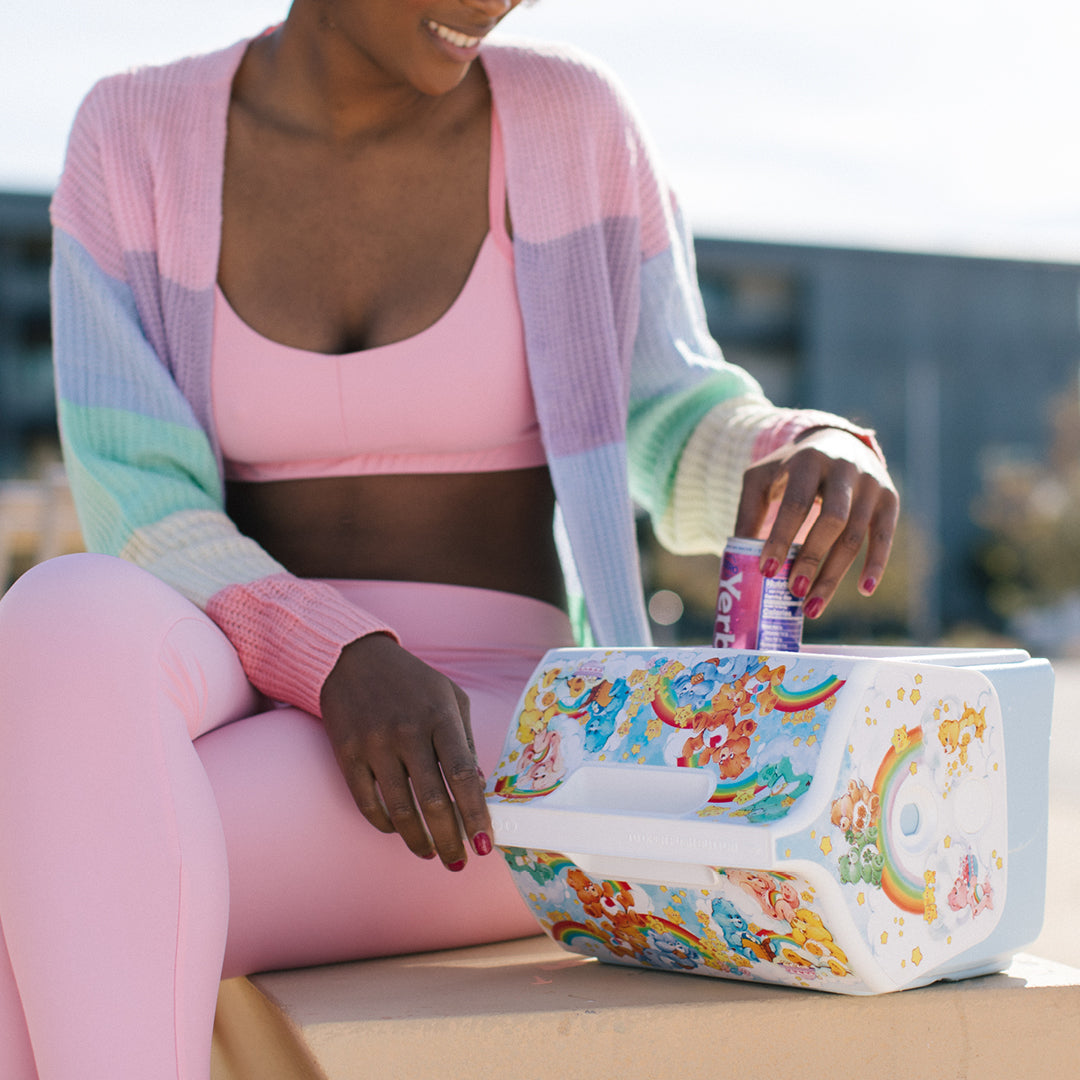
(752, 611)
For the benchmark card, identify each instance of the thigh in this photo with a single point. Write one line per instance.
(311, 881)
(103, 645)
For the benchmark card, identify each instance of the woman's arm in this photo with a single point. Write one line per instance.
(711, 457)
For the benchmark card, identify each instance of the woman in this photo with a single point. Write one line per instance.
(342, 314)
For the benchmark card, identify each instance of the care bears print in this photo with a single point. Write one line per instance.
(852, 848)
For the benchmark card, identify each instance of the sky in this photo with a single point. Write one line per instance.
(928, 125)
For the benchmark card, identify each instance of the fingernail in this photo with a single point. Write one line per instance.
(429, 855)
(456, 866)
(813, 607)
(481, 843)
(770, 567)
(869, 585)
(800, 586)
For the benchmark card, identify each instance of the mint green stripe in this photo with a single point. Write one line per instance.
(128, 471)
(658, 430)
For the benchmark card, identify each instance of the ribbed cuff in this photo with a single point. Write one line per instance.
(708, 483)
(704, 502)
(289, 633)
(789, 424)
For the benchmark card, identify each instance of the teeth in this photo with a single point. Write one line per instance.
(462, 41)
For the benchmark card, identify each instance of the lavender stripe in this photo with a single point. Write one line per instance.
(599, 520)
(108, 360)
(578, 297)
(673, 344)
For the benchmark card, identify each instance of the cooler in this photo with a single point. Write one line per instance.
(856, 821)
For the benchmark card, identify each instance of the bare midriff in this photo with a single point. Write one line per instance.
(489, 530)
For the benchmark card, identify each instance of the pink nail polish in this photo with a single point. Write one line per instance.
(800, 586)
(869, 585)
(813, 607)
(456, 867)
(482, 843)
(770, 567)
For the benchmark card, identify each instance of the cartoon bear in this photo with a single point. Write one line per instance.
(808, 931)
(777, 898)
(857, 809)
(542, 763)
(696, 686)
(966, 890)
(736, 931)
(603, 703)
(952, 733)
(665, 950)
(730, 749)
(599, 899)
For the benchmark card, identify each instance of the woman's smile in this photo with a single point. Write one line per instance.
(453, 37)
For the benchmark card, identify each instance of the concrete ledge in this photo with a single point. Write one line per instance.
(535, 1011)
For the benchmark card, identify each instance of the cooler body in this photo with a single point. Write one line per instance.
(852, 822)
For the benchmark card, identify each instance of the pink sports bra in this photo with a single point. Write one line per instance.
(454, 398)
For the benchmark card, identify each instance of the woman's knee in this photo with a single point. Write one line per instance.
(109, 619)
(95, 596)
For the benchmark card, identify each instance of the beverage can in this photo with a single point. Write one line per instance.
(753, 611)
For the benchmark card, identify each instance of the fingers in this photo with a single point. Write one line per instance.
(880, 539)
(855, 502)
(402, 737)
(831, 545)
(431, 788)
(466, 783)
(365, 794)
(763, 484)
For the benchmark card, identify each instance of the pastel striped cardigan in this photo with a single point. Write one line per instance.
(634, 398)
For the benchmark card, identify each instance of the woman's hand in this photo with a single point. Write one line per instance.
(857, 502)
(401, 735)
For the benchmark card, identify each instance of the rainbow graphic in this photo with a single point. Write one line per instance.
(558, 863)
(506, 788)
(540, 698)
(573, 935)
(739, 792)
(665, 705)
(572, 708)
(677, 931)
(903, 887)
(578, 937)
(541, 866)
(790, 702)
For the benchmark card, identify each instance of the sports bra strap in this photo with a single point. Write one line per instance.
(497, 208)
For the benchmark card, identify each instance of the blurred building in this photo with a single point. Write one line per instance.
(956, 361)
(26, 390)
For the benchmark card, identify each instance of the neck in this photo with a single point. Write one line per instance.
(307, 76)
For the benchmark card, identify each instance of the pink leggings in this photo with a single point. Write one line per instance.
(161, 826)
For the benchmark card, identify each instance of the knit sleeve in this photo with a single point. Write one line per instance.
(144, 475)
(703, 497)
(680, 381)
(696, 422)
